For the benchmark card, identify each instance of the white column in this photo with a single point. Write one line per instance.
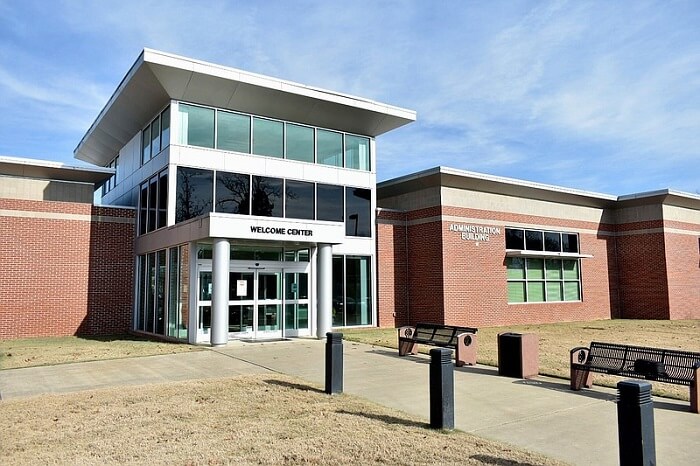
(324, 294)
(221, 256)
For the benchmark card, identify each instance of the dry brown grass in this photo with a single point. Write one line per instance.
(556, 340)
(259, 419)
(59, 350)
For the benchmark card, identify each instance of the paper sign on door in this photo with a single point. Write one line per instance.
(241, 287)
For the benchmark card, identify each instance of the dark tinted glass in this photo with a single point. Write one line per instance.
(329, 199)
(552, 242)
(194, 193)
(569, 242)
(162, 200)
(267, 196)
(232, 193)
(358, 212)
(533, 240)
(299, 198)
(515, 239)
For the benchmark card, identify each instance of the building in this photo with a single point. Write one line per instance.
(67, 265)
(255, 199)
(465, 248)
(239, 206)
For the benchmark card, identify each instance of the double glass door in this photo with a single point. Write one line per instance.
(263, 302)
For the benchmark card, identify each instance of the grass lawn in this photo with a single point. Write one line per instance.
(262, 419)
(556, 340)
(60, 350)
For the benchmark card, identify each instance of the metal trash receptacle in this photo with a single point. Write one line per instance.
(518, 355)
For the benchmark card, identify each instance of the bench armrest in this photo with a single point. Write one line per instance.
(406, 332)
(579, 355)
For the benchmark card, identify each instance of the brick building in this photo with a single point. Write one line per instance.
(470, 249)
(67, 265)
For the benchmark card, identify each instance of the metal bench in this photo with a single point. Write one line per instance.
(662, 365)
(462, 339)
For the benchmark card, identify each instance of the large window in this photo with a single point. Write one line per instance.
(330, 148)
(542, 273)
(195, 192)
(155, 136)
(233, 132)
(358, 221)
(299, 200)
(112, 181)
(352, 297)
(357, 152)
(329, 204)
(153, 203)
(249, 134)
(268, 137)
(202, 191)
(267, 196)
(196, 126)
(232, 193)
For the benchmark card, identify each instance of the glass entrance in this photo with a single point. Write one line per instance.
(255, 303)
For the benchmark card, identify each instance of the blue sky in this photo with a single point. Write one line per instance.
(600, 96)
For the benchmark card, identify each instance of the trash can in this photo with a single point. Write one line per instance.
(518, 355)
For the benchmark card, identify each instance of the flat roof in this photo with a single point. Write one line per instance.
(158, 77)
(48, 170)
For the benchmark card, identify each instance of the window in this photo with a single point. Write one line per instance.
(358, 220)
(357, 152)
(543, 280)
(300, 143)
(233, 132)
(112, 181)
(194, 193)
(196, 126)
(232, 193)
(537, 276)
(299, 200)
(153, 203)
(268, 137)
(156, 136)
(329, 148)
(267, 196)
(352, 297)
(329, 203)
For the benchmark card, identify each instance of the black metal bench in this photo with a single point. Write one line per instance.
(462, 339)
(662, 365)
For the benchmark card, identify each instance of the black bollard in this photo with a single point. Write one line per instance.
(442, 390)
(635, 423)
(334, 363)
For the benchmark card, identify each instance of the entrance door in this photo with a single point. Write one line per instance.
(255, 303)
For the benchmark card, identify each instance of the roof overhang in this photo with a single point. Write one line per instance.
(46, 170)
(157, 77)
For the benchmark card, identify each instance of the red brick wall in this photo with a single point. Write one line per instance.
(391, 269)
(642, 270)
(683, 270)
(62, 272)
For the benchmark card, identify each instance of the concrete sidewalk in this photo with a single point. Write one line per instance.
(542, 415)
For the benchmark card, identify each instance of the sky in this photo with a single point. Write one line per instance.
(593, 95)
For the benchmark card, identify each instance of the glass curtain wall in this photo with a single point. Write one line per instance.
(352, 296)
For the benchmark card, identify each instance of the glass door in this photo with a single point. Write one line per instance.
(269, 303)
(241, 304)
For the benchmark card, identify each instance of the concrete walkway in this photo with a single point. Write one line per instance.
(541, 415)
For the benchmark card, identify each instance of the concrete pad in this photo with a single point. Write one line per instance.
(539, 414)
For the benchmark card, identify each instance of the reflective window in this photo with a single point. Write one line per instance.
(300, 143)
(515, 239)
(165, 128)
(194, 193)
(299, 200)
(267, 196)
(329, 148)
(143, 209)
(155, 136)
(357, 152)
(352, 297)
(533, 240)
(233, 132)
(196, 126)
(358, 212)
(152, 203)
(162, 200)
(146, 145)
(329, 199)
(232, 193)
(268, 137)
